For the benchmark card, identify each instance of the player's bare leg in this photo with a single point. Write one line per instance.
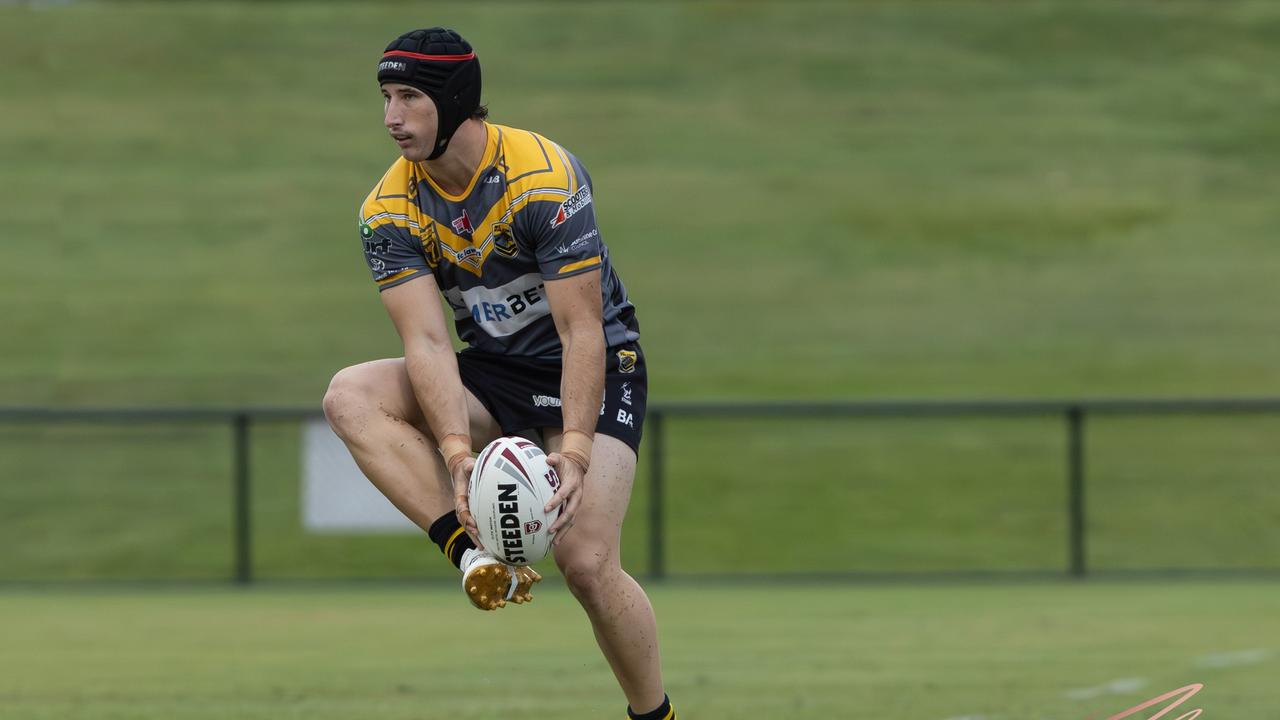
(588, 556)
(373, 410)
(371, 406)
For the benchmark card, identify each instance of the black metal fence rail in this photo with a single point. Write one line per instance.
(240, 420)
(1073, 412)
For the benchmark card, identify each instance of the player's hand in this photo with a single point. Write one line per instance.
(568, 497)
(461, 479)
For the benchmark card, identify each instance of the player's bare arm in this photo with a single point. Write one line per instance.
(575, 308)
(417, 313)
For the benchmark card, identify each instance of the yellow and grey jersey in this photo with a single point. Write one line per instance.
(526, 218)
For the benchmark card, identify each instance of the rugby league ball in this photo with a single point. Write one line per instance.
(509, 486)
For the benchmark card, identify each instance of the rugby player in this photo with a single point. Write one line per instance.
(500, 223)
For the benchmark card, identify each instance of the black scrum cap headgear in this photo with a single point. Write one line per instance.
(441, 64)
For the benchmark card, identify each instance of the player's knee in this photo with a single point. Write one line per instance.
(588, 574)
(343, 399)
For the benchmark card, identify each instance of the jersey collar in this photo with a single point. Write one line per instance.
(486, 162)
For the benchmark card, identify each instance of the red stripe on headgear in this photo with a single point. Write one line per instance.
(420, 56)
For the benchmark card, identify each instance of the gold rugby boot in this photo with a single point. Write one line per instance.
(491, 583)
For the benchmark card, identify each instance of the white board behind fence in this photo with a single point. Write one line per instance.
(336, 496)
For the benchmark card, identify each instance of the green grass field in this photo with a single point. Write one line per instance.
(937, 198)
(811, 200)
(1033, 652)
(904, 199)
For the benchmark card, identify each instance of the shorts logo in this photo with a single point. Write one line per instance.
(545, 401)
(626, 361)
(504, 241)
(626, 393)
(572, 206)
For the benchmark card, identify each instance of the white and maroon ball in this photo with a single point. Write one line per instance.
(510, 485)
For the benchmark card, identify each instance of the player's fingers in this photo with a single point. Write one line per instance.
(568, 515)
(559, 535)
(556, 499)
(564, 519)
(557, 526)
(468, 523)
(573, 502)
(568, 487)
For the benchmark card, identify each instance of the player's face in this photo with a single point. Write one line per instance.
(410, 117)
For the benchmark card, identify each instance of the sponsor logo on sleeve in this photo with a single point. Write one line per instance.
(565, 249)
(431, 246)
(572, 206)
(374, 245)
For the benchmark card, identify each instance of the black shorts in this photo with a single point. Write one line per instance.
(524, 393)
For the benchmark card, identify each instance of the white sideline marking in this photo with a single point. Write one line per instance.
(1233, 659)
(968, 717)
(1115, 687)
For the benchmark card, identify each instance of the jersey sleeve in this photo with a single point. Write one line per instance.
(393, 254)
(565, 235)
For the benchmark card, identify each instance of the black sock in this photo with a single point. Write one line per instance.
(662, 712)
(447, 532)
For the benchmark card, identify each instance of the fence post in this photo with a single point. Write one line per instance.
(657, 564)
(240, 499)
(1075, 490)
